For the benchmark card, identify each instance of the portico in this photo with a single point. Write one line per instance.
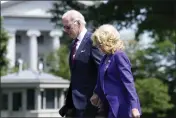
(31, 38)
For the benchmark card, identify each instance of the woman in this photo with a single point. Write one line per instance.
(115, 85)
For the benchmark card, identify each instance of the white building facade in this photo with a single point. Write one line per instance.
(32, 35)
(29, 93)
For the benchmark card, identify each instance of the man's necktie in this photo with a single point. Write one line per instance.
(74, 50)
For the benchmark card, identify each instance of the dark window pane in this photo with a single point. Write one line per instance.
(18, 39)
(30, 99)
(18, 56)
(17, 101)
(42, 97)
(49, 98)
(4, 101)
(40, 39)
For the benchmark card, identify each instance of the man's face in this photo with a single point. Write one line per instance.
(70, 27)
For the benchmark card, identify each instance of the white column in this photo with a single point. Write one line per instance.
(11, 47)
(55, 34)
(44, 99)
(61, 99)
(33, 48)
(38, 99)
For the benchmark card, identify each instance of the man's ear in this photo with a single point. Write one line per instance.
(78, 21)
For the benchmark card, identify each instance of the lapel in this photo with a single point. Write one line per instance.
(106, 63)
(103, 68)
(81, 46)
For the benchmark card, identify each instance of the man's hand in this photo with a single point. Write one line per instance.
(135, 113)
(95, 100)
(63, 111)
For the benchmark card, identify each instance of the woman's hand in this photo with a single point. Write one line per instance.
(135, 113)
(95, 100)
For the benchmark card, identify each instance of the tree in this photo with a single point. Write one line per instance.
(3, 50)
(150, 15)
(59, 8)
(157, 16)
(156, 61)
(154, 98)
(58, 62)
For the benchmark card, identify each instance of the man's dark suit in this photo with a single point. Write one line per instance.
(83, 76)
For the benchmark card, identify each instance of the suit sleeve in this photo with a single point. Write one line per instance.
(97, 87)
(126, 77)
(68, 101)
(97, 55)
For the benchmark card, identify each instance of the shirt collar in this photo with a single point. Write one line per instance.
(82, 34)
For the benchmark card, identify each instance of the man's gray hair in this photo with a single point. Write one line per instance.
(75, 16)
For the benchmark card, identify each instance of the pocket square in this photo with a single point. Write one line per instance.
(83, 51)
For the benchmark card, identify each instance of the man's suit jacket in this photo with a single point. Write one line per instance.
(83, 73)
(115, 84)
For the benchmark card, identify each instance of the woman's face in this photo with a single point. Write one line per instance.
(101, 47)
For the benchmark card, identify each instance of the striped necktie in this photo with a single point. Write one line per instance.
(74, 50)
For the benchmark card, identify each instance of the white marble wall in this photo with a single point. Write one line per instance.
(29, 48)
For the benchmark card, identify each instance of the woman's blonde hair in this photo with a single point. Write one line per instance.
(108, 37)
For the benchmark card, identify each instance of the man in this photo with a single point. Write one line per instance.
(84, 61)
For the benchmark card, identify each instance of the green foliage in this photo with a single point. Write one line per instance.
(58, 62)
(59, 7)
(131, 46)
(150, 15)
(155, 61)
(153, 96)
(3, 50)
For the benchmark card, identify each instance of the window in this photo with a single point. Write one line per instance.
(41, 57)
(42, 99)
(18, 39)
(50, 94)
(17, 101)
(4, 101)
(40, 39)
(30, 99)
(18, 56)
(41, 61)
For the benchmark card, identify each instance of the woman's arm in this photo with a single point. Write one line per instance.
(124, 67)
